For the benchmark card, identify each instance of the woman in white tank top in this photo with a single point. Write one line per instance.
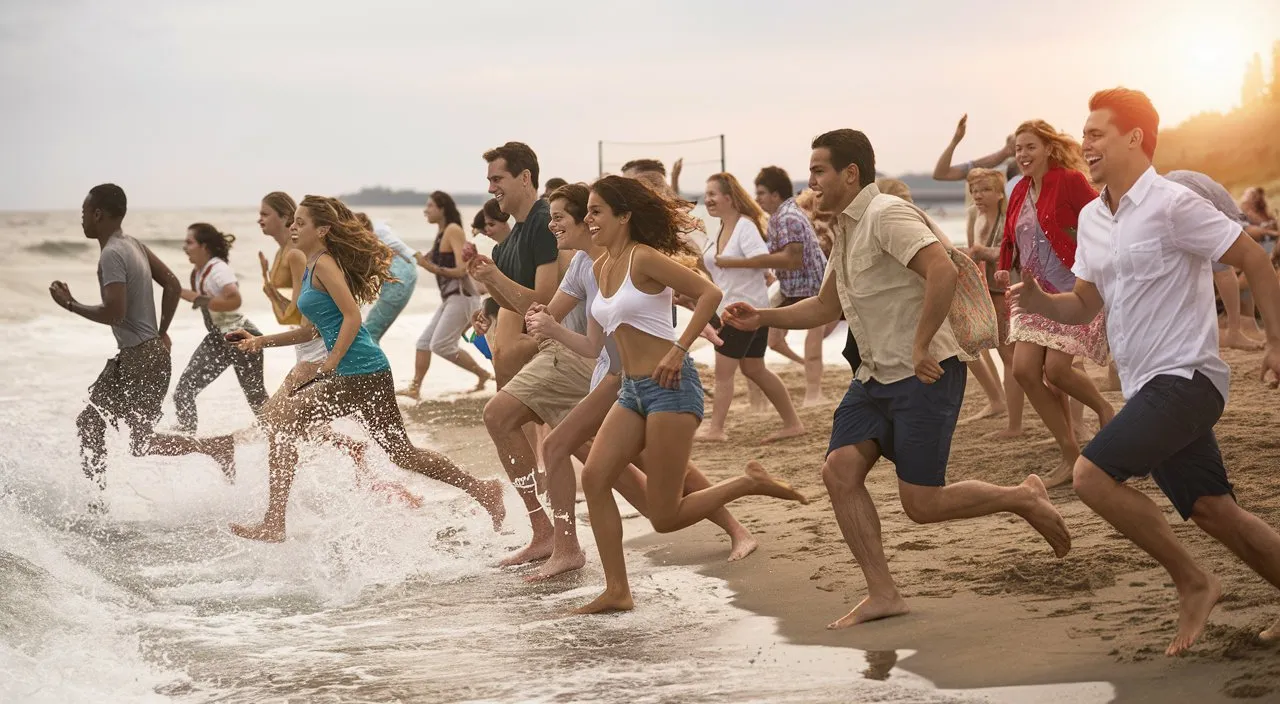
(572, 436)
(661, 392)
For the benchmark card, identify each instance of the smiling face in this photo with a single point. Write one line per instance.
(833, 186)
(197, 253)
(1031, 154)
(717, 200)
(607, 229)
(570, 235)
(306, 235)
(270, 221)
(507, 188)
(1107, 150)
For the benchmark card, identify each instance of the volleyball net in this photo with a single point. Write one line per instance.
(700, 157)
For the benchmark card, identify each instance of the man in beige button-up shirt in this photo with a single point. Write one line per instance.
(894, 281)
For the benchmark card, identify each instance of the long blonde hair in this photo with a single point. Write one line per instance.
(746, 206)
(1063, 150)
(364, 260)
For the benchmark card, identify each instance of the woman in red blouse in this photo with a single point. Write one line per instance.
(1040, 241)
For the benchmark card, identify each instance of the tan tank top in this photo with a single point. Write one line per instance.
(283, 280)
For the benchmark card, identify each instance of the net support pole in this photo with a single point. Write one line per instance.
(600, 157)
(722, 166)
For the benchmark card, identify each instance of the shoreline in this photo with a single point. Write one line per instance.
(998, 609)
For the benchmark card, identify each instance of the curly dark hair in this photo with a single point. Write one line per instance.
(656, 221)
(217, 243)
(364, 260)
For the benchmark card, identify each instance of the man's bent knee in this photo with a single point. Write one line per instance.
(845, 470)
(1210, 513)
(501, 413)
(918, 502)
(1088, 479)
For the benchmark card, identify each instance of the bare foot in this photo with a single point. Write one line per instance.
(741, 546)
(1060, 474)
(768, 486)
(811, 401)
(1044, 517)
(711, 437)
(1271, 635)
(558, 565)
(410, 391)
(988, 411)
(395, 492)
(261, 532)
(1194, 608)
(794, 431)
(871, 609)
(489, 494)
(1006, 434)
(608, 602)
(1108, 412)
(1239, 341)
(481, 381)
(538, 549)
(226, 458)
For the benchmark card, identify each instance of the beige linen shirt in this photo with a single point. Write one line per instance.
(875, 239)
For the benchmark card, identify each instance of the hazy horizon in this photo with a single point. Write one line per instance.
(200, 105)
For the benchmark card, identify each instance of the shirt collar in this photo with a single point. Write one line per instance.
(1137, 192)
(858, 207)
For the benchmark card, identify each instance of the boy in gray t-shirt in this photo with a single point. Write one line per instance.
(132, 385)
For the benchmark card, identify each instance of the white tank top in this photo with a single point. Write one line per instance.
(649, 313)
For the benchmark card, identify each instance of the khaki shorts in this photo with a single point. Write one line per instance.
(553, 382)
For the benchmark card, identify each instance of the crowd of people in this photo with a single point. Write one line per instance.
(576, 307)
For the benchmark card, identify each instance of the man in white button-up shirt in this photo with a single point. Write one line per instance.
(1144, 252)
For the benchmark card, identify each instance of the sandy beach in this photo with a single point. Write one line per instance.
(991, 606)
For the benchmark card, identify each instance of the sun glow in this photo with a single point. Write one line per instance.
(1203, 56)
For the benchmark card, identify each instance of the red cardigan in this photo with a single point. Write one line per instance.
(1063, 194)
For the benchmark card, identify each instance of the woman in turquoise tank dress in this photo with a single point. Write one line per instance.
(346, 265)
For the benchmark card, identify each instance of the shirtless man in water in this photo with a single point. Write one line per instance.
(132, 387)
(1144, 252)
(909, 384)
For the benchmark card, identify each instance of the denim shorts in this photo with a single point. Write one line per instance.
(1166, 430)
(644, 396)
(911, 422)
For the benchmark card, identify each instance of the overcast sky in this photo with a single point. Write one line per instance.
(189, 103)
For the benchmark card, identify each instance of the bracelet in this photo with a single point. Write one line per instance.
(680, 347)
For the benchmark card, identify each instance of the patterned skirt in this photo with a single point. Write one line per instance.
(1088, 340)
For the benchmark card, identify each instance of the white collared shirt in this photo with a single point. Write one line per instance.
(1150, 261)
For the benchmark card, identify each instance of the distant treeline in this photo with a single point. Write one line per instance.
(1240, 148)
(923, 189)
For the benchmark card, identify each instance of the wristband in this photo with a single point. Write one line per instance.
(680, 347)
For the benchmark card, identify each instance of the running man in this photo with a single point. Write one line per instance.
(1144, 253)
(906, 395)
(133, 384)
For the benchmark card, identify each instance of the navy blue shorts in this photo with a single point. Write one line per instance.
(1166, 430)
(911, 421)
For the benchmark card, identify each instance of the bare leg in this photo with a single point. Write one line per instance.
(970, 499)
(1248, 323)
(741, 542)
(421, 364)
(469, 363)
(1013, 395)
(813, 367)
(1028, 369)
(726, 370)
(984, 371)
(778, 343)
(1246, 535)
(1140, 520)
(845, 474)
(622, 438)
(1059, 368)
(504, 415)
(772, 386)
(1229, 289)
(756, 400)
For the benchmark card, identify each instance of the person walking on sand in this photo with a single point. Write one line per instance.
(1143, 255)
(741, 238)
(1039, 240)
(216, 294)
(346, 266)
(660, 405)
(133, 384)
(797, 260)
(894, 281)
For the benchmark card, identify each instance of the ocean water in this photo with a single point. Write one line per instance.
(365, 602)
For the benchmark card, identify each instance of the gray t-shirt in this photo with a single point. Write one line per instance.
(580, 282)
(1211, 191)
(576, 319)
(124, 261)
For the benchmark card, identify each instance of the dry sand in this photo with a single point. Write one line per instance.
(991, 606)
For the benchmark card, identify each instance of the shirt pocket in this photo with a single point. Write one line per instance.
(1145, 260)
(860, 270)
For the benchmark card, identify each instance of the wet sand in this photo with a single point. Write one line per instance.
(990, 604)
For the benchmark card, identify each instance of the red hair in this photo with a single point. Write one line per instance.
(1130, 109)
